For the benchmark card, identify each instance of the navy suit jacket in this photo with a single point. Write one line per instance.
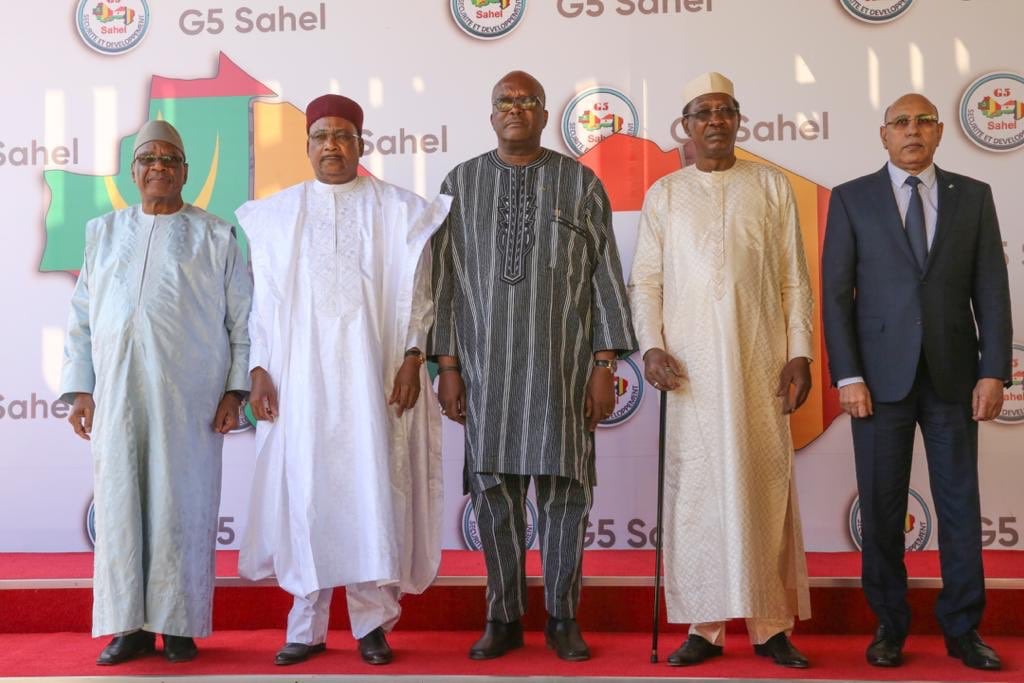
(881, 311)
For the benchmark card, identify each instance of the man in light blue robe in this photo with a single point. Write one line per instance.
(155, 367)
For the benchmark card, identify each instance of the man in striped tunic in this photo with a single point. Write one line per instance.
(531, 313)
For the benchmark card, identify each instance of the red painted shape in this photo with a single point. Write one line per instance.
(230, 81)
(628, 166)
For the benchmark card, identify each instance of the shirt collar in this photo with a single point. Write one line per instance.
(325, 188)
(898, 176)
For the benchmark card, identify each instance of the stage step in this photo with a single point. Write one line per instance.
(52, 593)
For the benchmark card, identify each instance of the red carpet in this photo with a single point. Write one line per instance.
(44, 628)
(444, 653)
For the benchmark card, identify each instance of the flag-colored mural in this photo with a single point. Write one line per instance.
(212, 116)
(239, 149)
(628, 166)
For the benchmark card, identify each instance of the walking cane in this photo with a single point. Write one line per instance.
(657, 529)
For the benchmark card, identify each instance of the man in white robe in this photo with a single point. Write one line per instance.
(347, 490)
(157, 348)
(722, 306)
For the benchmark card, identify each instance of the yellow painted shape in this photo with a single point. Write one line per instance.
(278, 148)
(203, 199)
(113, 194)
(807, 423)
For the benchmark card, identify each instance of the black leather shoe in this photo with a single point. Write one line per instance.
(374, 648)
(564, 637)
(885, 649)
(128, 646)
(293, 653)
(782, 652)
(498, 638)
(694, 650)
(972, 651)
(179, 649)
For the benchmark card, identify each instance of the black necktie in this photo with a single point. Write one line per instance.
(914, 223)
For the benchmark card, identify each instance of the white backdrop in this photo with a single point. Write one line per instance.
(812, 79)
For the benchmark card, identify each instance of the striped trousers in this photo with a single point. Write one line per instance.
(563, 507)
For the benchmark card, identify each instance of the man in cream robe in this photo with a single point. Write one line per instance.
(347, 491)
(156, 351)
(722, 306)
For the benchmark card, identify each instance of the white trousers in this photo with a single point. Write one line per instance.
(759, 630)
(369, 606)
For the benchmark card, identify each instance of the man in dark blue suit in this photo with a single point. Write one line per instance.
(917, 325)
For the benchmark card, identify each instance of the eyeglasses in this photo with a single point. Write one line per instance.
(168, 160)
(338, 137)
(526, 102)
(922, 121)
(704, 115)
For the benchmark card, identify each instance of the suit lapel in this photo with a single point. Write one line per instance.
(948, 196)
(887, 213)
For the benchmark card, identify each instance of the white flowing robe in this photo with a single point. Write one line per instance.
(719, 280)
(157, 334)
(344, 491)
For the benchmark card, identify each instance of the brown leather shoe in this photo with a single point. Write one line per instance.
(374, 648)
(178, 649)
(694, 650)
(128, 646)
(564, 637)
(498, 638)
(782, 652)
(293, 653)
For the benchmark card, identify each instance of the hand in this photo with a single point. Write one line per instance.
(80, 418)
(795, 373)
(855, 400)
(451, 393)
(263, 396)
(600, 396)
(664, 372)
(407, 385)
(986, 401)
(226, 418)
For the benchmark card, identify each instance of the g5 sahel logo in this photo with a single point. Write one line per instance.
(876, 11)
(629, 391)
(488, 19)
(1013, 398)
(471, 533)
(90, 523)
(917, 527)
(112, 28)
(991, 111)
(246, 418)
(595, 114)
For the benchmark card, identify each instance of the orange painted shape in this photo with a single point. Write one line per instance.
(830, 395)
(628, 166)
(279, 148)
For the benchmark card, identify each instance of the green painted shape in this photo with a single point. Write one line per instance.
(76, 198)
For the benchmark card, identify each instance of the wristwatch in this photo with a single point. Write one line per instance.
(611, 365)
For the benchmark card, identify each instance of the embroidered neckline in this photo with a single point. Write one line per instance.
(539, 161)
